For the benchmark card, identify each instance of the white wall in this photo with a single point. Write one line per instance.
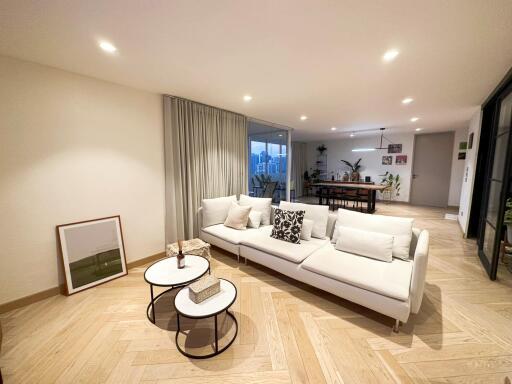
(73, 148)
(468, 178)
(457, 172)
(371, 161)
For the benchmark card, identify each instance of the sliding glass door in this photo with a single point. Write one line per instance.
(268, 161)
(498, 185)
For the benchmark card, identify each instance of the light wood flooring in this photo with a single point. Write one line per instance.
(288, 332)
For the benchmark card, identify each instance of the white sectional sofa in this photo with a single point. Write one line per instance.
(392, 288)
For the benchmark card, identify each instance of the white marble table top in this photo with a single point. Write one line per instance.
(165, 272)
(209, 307)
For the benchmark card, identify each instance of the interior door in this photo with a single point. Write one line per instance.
(431, 169)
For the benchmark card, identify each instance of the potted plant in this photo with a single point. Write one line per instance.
(321, 149)
(507, 219)
(392, 183)
(354, 176)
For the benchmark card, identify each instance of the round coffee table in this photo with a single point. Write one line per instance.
(210, 307)
(165, 273)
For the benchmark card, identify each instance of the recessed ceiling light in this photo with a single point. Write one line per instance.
(107, 47)
(247, 98)
(303, 117)
(390, 55)
(333, 128)
(352, 134)
(407, 100)
(280, 135)
(413, 119)
(418, 129)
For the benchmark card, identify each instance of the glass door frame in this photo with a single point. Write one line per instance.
(491, 267)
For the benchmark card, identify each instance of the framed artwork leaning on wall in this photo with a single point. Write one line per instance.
(92, 252)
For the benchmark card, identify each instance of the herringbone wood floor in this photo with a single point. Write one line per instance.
(288, 332)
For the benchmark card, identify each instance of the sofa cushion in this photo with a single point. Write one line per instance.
(234, 236)
(318, 213)
(261, 204)
(287, 225)
(375, 245)
(295, 253)
(388, 279)
(216, 210)
(398, 227)
(307, 227)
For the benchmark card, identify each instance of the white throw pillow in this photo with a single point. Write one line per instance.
(261, 204)
(216, 210)
(254, 219)
(307, 227)
(319, 214)
(237, 216)
(378, 246)
(398, 227)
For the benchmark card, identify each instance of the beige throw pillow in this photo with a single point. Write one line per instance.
(237, 216)
(307, 227)
(254, 219)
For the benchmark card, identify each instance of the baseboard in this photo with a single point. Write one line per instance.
(30, 299)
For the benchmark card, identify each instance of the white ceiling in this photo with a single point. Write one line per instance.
(318, 58)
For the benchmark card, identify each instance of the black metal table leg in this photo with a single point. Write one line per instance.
(152, 304)
(216, 336)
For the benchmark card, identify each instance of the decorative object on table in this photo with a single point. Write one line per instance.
(355, 167)
(92, 252)
(287, 225)
(387, 160)
(204, 288)
(392, 183)
(346, 177)
(218, 304)
(367, 179)
(321, 149)
(401, 160)
(165, 273)
(193, 246)
(394, 148)
(180, 258)
(470, 140)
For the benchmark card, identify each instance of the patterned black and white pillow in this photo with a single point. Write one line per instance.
(287, 225)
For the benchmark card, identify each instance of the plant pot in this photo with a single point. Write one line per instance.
(345, 177)
(354, 176)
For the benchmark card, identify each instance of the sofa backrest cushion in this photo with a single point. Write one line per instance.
(375, 245)
(318, 213)
(399, 227)
(259, 204)
(215, 211)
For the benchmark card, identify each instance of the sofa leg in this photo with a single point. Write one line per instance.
(245, 258)
(396, 327)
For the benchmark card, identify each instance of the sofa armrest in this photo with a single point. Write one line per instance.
(199, 219)
(419, 269)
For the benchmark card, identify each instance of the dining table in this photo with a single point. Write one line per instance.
(371, 188)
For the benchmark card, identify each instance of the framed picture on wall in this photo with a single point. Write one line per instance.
(394, 148)
(401, 160)
(92, 252)
(387, 160)
(470, 140)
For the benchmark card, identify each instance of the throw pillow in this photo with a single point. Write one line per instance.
(260, 204)
(254, 219)
(378, 246)
(307, 227)
(318, 213)
(237, 216)
(287, 225)
(216, 210)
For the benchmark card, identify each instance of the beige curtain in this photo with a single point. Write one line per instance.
(205, 156)
(299, 166)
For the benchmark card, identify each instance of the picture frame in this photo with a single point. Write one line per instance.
(470, 140)
(387, 160)
(394, 148)
(401, 160)
(92, 252)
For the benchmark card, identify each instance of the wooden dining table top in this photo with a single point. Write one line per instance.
(371, 187)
